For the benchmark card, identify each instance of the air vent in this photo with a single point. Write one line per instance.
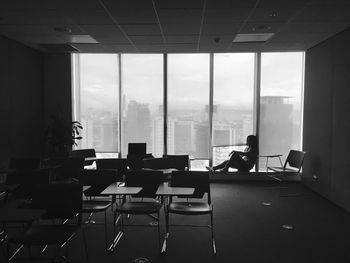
(255, 38)
(59, 48)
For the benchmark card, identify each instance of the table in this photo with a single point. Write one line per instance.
(116, 189)
(166, 190)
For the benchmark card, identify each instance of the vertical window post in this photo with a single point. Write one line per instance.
(256, 116)
(165, 101)
(211, 93)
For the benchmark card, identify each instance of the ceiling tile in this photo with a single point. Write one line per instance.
(181, 29)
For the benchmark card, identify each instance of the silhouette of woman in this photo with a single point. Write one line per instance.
(242, 161)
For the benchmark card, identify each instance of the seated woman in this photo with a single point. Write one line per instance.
(242, 161)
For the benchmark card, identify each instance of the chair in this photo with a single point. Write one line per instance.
(24, 163)
(180, 162)
(292, 164)
(137, 148)
(98, 180)
(68, 168)
(120, 165)
(61, 201)
(144, 203)
(135, 161)
(84, 153)
(196, 205)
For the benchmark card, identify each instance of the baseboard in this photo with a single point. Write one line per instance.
(253, 176)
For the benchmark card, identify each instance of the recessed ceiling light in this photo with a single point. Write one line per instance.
(273, 14)
(256, 37)
(261, 28)
(62, 30)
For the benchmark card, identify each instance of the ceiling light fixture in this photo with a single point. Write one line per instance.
(62, 30)
(273, 14)
(251, 38)
(261, 28)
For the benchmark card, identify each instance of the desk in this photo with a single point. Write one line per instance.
(166, 190)
(116, 189)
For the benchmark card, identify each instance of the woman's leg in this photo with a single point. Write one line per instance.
(221, 165)
(236, 162)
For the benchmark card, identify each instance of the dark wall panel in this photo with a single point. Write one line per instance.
(327, 120)
(58, 96)
(21, 100)
(340, 186)
(317, 139)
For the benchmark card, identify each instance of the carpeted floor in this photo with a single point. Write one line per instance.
(245, 230)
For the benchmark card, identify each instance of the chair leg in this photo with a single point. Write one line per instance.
(106, 234)
(212, 233)
(158, 225)
(166, 233)
(85, 245)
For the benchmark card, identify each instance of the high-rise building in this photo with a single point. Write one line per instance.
(276, 121)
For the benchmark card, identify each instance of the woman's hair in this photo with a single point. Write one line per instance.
(252, 141)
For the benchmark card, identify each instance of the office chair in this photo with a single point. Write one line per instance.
(119, 165)
(61, 201)
(143, 203)
(199, 206)
(293, 164)
(98, 180)
(84, 153)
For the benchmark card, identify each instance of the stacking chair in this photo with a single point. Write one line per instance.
(68, 168)
(179, 162)
(61, 201)
(293, 164)
(194, 205)
(118, 165)
(84, 153)
(145, 202)
(98, 180)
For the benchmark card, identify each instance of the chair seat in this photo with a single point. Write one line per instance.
(134, 208)
(283, 170)
(91, 206)
(190, 208)
(44, 234)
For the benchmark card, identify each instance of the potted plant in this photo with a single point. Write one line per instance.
(61, 135)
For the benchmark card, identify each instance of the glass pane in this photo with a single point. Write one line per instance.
(142, 115)
(96, 104)
(281, 104)
(233, 102)
(188, 100)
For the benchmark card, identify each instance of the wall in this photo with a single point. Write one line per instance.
(326, 119)
(21, 100)
(57, 83)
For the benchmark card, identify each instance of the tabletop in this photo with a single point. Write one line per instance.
(166, 190)
(116, 189)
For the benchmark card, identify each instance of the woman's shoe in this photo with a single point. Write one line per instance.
(210, 169)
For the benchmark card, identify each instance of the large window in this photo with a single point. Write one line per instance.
(142, 100)
(188, 104)
(233, 106)
(213, 102)
(281, 102)
(95, 86)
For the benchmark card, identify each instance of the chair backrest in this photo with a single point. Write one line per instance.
(24, 163)
(180, 162)
(147, 179)
(98, 179)
(135, 161)
(137, 148)
(295, 159)
(28, 180)
(61, 201)
(196, 179)
(84, 153)
(68, 167)
(120, 165)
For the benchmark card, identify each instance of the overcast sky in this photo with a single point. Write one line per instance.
(188, 79)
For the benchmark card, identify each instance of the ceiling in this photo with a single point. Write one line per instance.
(157, 26)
